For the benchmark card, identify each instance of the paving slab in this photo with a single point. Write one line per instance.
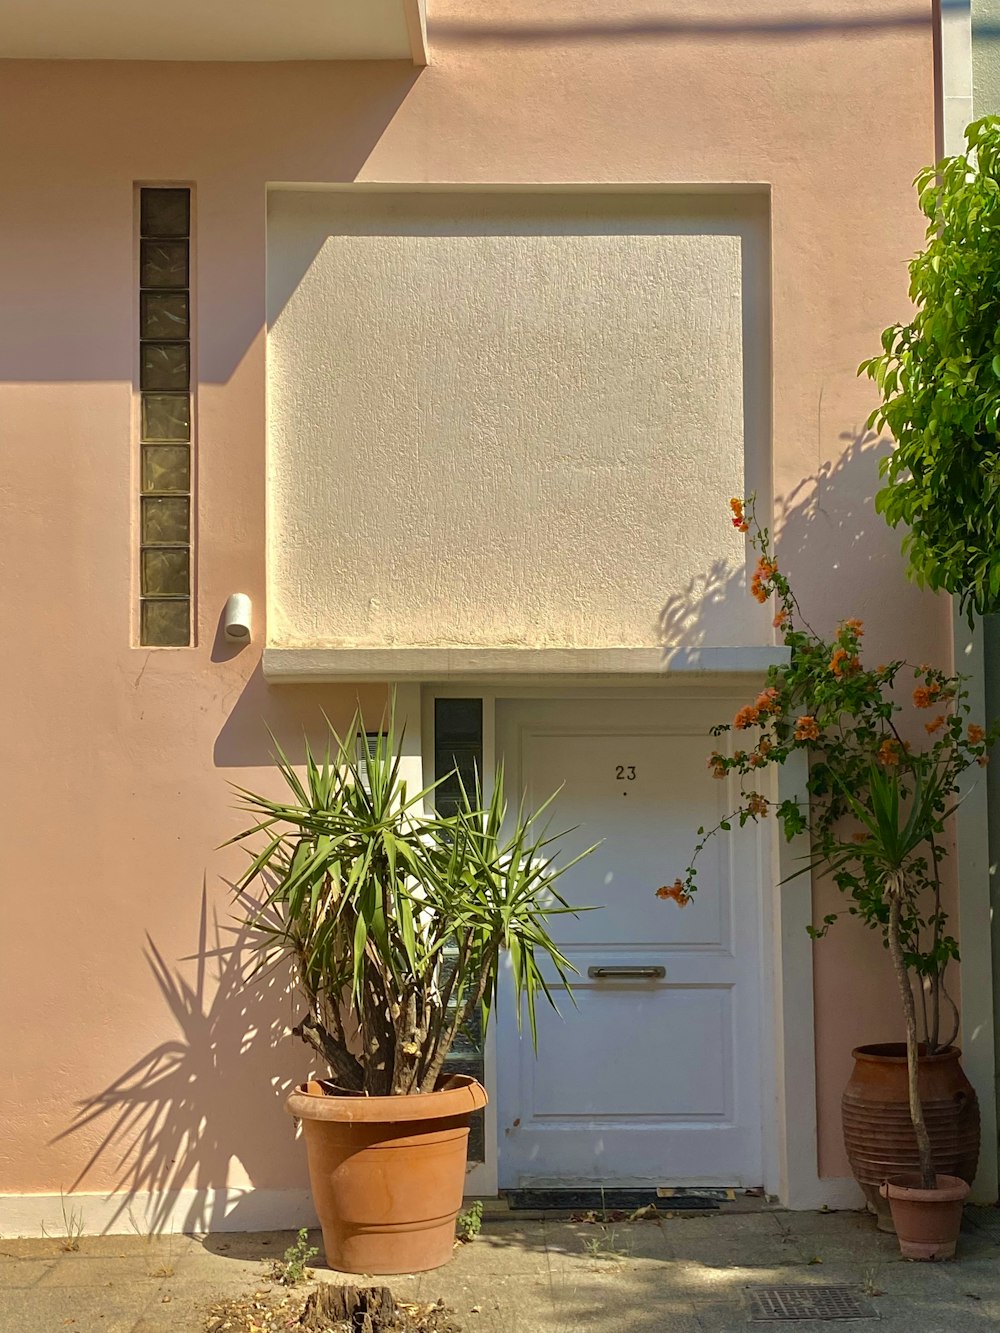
(505, 1249)
(606, 1301)
(493, 1303)
(72, 1310)
(573, 1245)
(16, 1273)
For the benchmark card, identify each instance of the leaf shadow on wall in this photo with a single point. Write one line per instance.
(200, 1104)
(842, 557)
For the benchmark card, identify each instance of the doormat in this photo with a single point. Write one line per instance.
(613, 1201)
(792, 1304)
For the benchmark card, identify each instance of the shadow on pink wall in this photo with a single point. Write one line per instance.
(184, 1114)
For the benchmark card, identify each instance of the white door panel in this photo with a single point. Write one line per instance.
(643, 1079)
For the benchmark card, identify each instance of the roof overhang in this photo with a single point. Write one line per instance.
(230, 30)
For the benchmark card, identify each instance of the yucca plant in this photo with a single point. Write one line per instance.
(394, 919)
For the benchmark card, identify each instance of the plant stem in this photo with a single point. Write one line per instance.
(937, 978)
(927, 1174)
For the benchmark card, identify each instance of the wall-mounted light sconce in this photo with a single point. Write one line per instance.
(237, 622)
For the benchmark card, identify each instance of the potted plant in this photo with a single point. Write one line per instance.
(877, 808)
(395, 923)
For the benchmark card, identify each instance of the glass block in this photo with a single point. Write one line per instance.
(164, 315)
(164, 366)
(165, 212)
(166, 416)
(164, 571)
(165, 624)
(164, 520)
(166, 467)
(163, 264)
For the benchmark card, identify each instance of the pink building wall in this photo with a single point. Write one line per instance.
(116, 759)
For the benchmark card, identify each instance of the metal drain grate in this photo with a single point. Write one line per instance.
(771, 1304)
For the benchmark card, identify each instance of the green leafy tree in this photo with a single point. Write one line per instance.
(939, 379)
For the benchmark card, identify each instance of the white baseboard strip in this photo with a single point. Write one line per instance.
(200, 1212)
(190, 1212)
(833, 1192)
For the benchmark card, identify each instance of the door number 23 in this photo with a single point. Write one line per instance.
(625, 772)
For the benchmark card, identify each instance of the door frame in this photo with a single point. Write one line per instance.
(787, 1026)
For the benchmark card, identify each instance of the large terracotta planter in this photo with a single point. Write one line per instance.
(878, 1133)
(387, 1173)
(927, 1221)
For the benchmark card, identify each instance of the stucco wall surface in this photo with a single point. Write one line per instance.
(503, 419)
(986, 56)
(120, 997)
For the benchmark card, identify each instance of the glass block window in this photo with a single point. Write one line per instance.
(164, 337)
(458, 749)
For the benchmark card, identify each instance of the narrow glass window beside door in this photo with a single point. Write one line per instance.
(458, 760)
(165, 417)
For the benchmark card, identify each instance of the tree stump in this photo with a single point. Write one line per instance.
(362, 1309)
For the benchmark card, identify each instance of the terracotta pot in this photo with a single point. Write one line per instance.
(878, 1133)
(387, 1173)
(927, 1221)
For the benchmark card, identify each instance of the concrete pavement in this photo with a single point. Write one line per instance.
(542, 1275)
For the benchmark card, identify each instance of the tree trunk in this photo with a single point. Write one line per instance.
(347, 1072)
(927, 1173)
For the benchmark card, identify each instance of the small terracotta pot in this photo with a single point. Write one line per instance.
(927, 1221)
(387, 1173)
(878, 1132)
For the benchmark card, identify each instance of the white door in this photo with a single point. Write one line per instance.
(652, 1078)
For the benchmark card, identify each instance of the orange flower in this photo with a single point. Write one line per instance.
(983, 760)
(766, 570)
(746, 717)
(888, 753)
(976, 734)
(922, 697)
(857, 627)
(764, 745)
(739, 519)
(756, 804)
(806, 729)
(767, 702)
(676, 892)
(780, 619)
(935, 725)
(717, 764)
(842, 663)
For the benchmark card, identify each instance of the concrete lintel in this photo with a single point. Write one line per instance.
(291, 665)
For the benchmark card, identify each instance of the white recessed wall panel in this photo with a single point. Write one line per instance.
(507, 419)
